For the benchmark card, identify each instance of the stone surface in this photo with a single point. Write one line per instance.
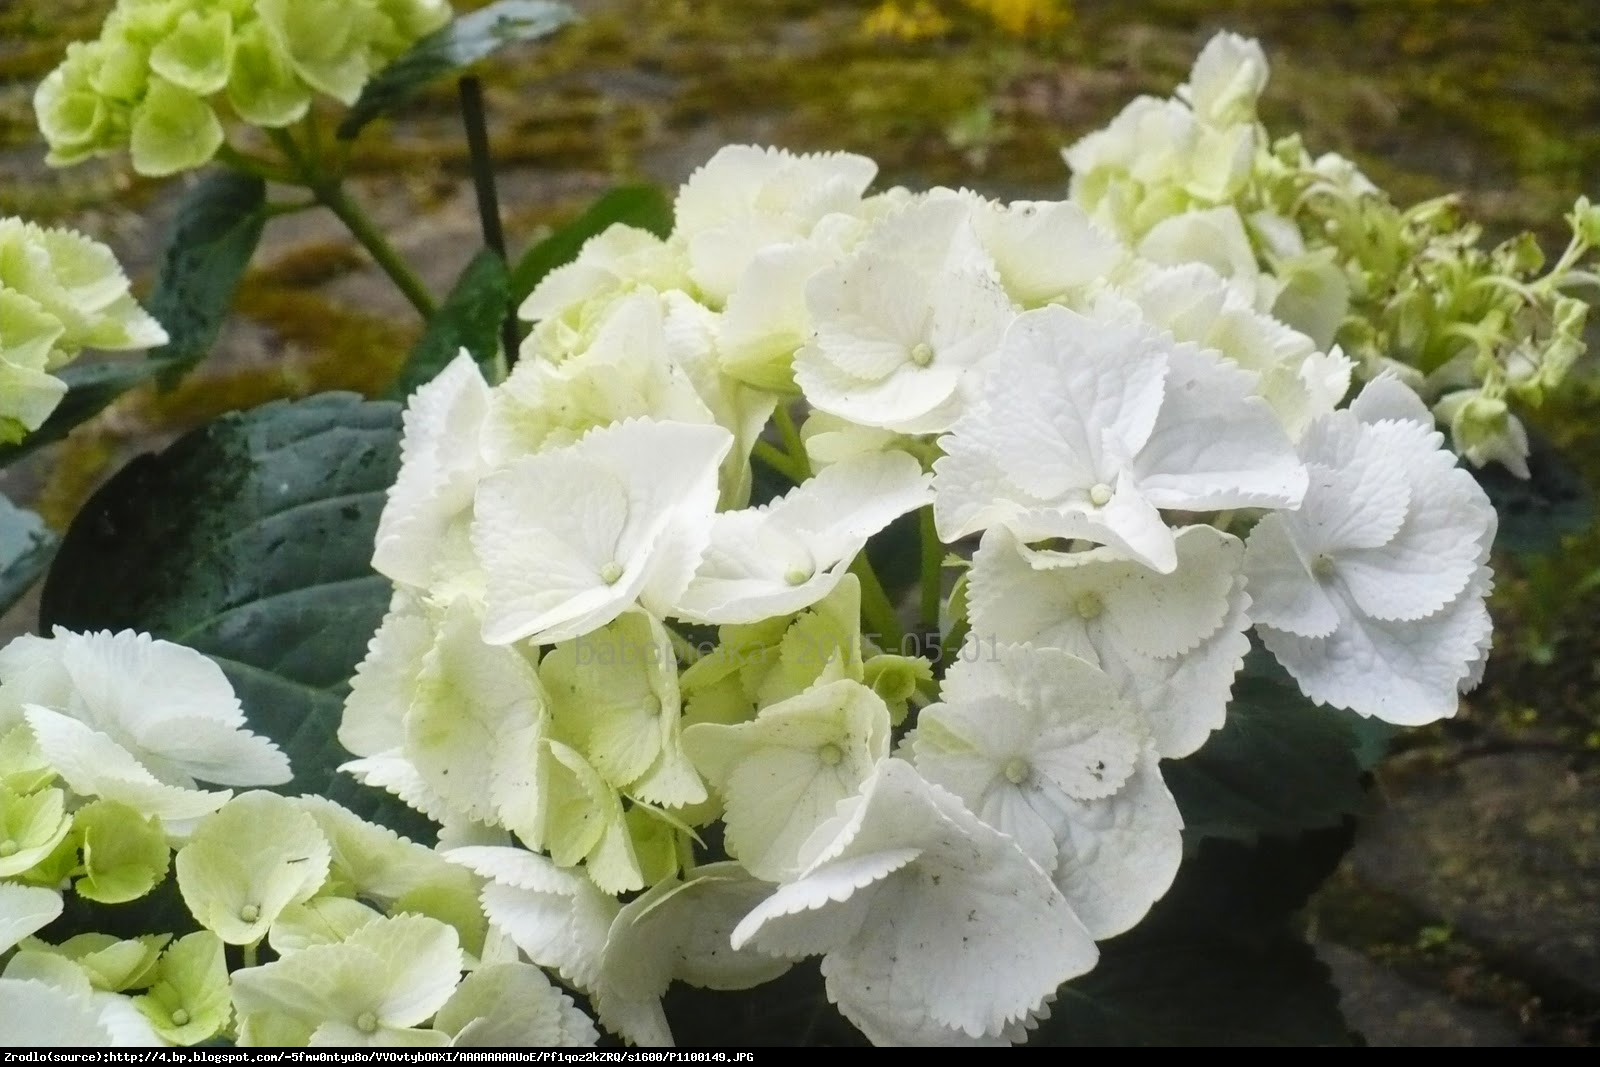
(1506, 849)
(1390, 1012)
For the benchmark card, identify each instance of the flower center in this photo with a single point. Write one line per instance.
(798, 575)
(830, 754)
(367, 1023)
(922, 353)
(180, 1017)
(250, 913)
(1100, 494)
(1018, 770)
(611, 573)
(1322, 567)
(1090, 606)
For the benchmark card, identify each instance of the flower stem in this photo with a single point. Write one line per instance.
(778, 460)
(330, 192)
(877, 610)
(792, 443)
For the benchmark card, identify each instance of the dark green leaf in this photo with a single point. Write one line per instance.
(1281, 764)
(470, 318)
(91, 387)
(26, 547)
(643, 206)
(1537, 511)
(218, 227)
(791, 1010)
(459, 45)
(1216, 962)
(250, 540)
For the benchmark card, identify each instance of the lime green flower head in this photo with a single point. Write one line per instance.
(60, 293)
(154, 79)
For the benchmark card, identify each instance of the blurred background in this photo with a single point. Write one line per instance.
(1469, 911)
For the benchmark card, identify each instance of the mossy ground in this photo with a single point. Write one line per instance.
(1498, 100)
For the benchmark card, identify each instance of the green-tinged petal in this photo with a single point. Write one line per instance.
(263, 87)
(319, 921)
(782, 775)
(173, 130)
(125, 853)
(111, 965)
(198, 54)
(188, 1002)
(31, 827)
(249, 861)
(513, 1005)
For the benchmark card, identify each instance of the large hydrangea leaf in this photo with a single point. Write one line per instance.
(250, 540)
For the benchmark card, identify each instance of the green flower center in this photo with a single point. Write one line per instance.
(1018, 770)
(1090, 606)
(1322, 567)
(922, 353)
(1100, 494)
(250, 913)
(367, 1023)
(830, 755)
(611, 573)
(798, 576)
(180, 1017)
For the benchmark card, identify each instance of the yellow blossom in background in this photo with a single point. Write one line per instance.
(922, 20)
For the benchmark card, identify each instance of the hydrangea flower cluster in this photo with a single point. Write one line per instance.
(154, 79)
(1132, 462)
(60, 293)
(1196, 179)
(104, 741)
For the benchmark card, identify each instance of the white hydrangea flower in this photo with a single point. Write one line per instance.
(623, 372)
(1090, 425)
(557, 917)
(927, 917)
(565, 302)
(374, 989)
(571, 537)
(1372, 594)
(786, 555)
(746, 199)
(766, 319)
(25, 909)
(1046, 251)
(136, 720)
(513, 1005)
(1172, 642)
(782, 774)
(903, 322)
(1227, 79)
(678, 931)
(1195, 303)
(1039, 745)
(423, 528)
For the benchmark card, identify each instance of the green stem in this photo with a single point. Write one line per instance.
(230, 156)
(250, 954)
(330, 192)
(932, 569)
(792, 443)
(877, 610)
(778, 460)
